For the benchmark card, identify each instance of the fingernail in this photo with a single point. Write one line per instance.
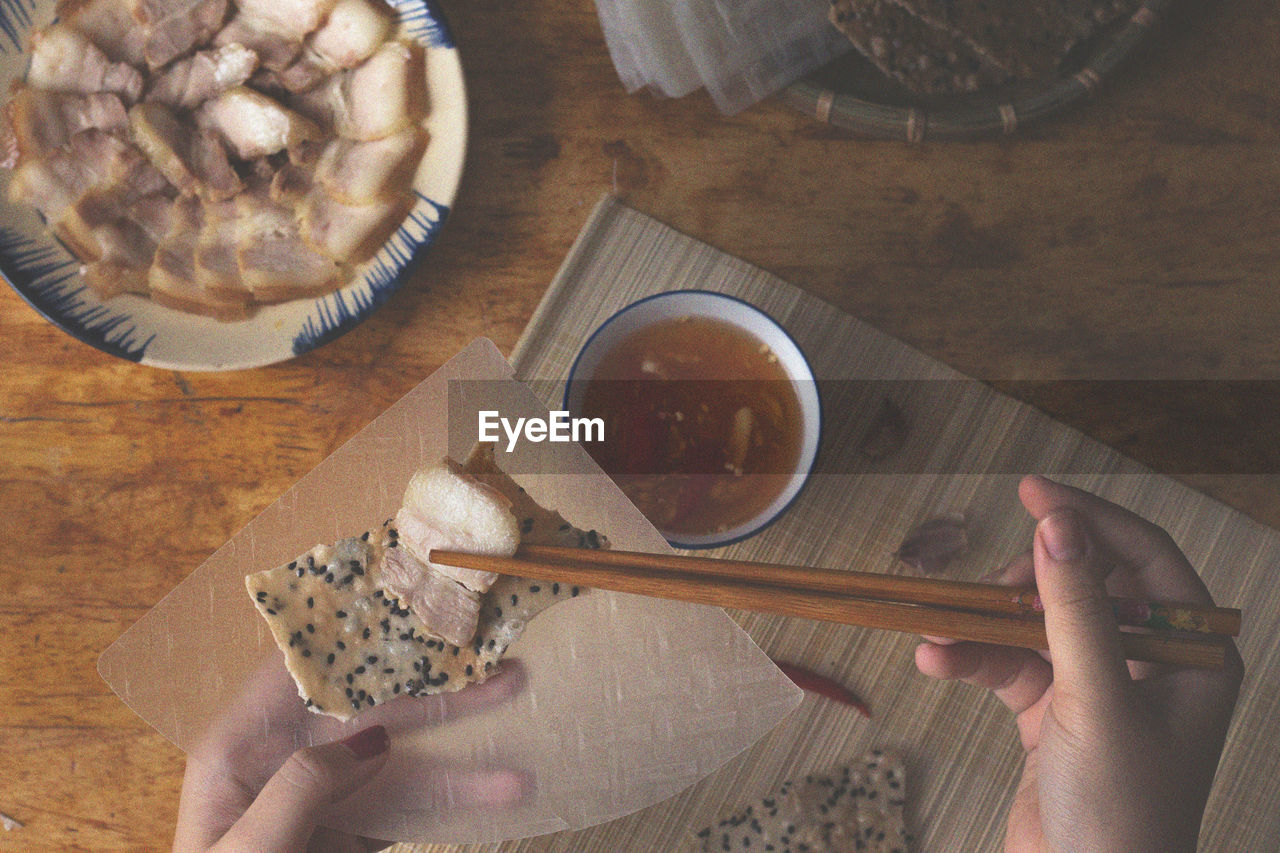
(367, 743)
(1062, 536)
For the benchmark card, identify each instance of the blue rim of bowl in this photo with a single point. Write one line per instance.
(817, 392)
(40, 278)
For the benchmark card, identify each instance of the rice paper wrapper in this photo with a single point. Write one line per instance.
(615, 702)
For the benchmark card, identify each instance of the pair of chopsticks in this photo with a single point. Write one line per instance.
(986, 613)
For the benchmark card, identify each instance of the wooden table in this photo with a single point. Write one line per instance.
(1135, 237)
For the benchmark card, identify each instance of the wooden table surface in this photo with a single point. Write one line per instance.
(1135, 237)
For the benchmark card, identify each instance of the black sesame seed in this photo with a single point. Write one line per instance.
(367, 633)
(535, 588)
(271, 612)
(262, 596)
(371, 659)
(328, 578)
(386, 626)
(364, 537)
(351, 679)
(311, 602)
(308, 704)
(515, 599)
(497, 611)
(341, 614)
(306, 653)
(573, 593)
(360, 670)
(555, 589)
(311, 629)
(492, 643)
(393, 533)
(360, 694)
(390, 670)
(395, 688)
(299, 571)
(342, 647)
(455, 651)
(332, 657)
(347, 579)
(350, 692)
(470, 669)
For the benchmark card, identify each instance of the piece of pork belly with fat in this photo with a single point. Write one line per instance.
(255, 125)
(194, 79)
(36, 122)
(293, 19)
(173, 27)
(447, 509)
(112, 25)
(65, 60)
(351, 33)
(275, 51)
(275, 264)
(193, 159)
(173, 278)
(381, 96)
(362, 172)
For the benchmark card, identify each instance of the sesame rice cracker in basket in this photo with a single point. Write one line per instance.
(928, 60)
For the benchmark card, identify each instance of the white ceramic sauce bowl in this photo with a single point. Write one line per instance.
(745, 316)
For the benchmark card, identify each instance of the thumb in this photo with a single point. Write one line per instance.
(284, 815)
(1084, 642)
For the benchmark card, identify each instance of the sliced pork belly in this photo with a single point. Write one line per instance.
(383, 95)
(217, 269)
(292, 18)
(194, 79)
(126, 234)
(275, 264)
(91, 160)
(172, 279)
(351, 33)
(194, 160)
(361, 172)
(256, 126)
(65, 60)
(173, 27)
(448, 609)
(275, 50)
(446, 508)
(37, 122)
(112, 25)
(349, 232)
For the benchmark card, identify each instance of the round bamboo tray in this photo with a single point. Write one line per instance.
(877, 110)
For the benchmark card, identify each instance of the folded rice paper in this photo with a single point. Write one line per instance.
(609, 702)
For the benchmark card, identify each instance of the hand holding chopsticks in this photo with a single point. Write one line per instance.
(977, 612)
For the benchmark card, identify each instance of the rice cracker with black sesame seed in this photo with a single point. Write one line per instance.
(349, 644)
(926, 59)
(856, 808)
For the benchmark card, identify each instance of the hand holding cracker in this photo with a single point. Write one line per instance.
(1120, 756)
(249, 787)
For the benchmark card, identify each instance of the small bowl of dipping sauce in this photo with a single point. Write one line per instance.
(711, 413)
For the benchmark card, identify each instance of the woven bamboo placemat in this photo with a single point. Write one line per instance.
(961, 749)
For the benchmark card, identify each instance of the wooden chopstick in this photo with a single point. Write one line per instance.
(959, 595)
(633, 573)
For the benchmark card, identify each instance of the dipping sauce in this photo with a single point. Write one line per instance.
(702, 424)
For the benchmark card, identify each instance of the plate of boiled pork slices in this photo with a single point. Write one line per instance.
(222, 184)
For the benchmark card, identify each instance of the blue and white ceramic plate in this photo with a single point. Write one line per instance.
(48, 277)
